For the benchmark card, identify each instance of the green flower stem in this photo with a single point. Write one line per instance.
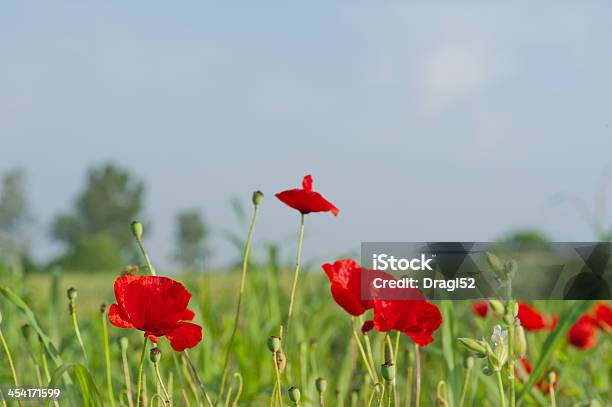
(196, 378)
(551, 392)
(9, 358)
(375, 389)
(409, 374)
(109, 383)
(128, 377)
(140, 365)
(417, 370)
(511, 381)
(295, 276)
(362, 352)
(245, 263)
(500, 388)
(145, 256)
(77, 331)
(464, 387)
(160, 380)
(278, 386)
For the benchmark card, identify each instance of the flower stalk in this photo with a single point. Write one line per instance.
(140, 366)
(257, 198)
(295, 276)
(72, 296)
(107, 363)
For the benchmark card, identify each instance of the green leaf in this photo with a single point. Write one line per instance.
(90, 394)
(556, 338)
(23, 307)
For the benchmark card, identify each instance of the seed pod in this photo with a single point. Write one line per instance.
(487, 371)
(72, 293)
(274, 344)
(474, 346)
(497, 306)
(321, 385)
(388, 371)
(136, 229)
(102, 308)
(520, 341)
(257, 197)
(123, 343)
(495, 263)
(281, 360)
(294, 394)
(155, 355)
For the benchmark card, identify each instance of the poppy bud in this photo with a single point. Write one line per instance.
(72, 293)
(497, 306)
(274, 344)
(468, 362)
(136, 229)
(155, 355)
(257, 197)
(281, 361)
(130, 270)
(102, 308)
(520, 341)
(388, 371)
(475, 346)
(123, 343)
(294, 394)
(321, 384)
(495, 263)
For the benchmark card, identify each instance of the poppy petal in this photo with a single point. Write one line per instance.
(118, 317)
(186, 335)
(367, 326)
(307, 183)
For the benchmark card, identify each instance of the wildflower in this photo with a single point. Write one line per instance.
(345, 277)
(157, 306)
(603, 315)
(418, 319)
(481, 308)
(531, 318)
(306, 200)
(583, 334)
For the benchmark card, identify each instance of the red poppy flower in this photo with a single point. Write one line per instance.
(418, 319)
(306, 200)
(345, 278)
(603, 315)
(543, 384)
(583, 334)
(530, 318)
(157, 306)
(481, 308)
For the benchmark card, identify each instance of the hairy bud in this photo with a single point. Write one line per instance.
(72, 293)
(476, 347)
(294, 394)
(321, 384)
(136, 229)
(257, 197)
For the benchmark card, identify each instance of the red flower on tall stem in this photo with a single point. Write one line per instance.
(345, 278)
(418, 319)
(603, 314)
(158, 307)
(531, 319)
(306, 200)
(583, 334)
(481, 308)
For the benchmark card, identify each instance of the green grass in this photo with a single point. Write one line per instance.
(320, 344)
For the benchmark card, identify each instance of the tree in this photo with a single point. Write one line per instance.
(191, 239)
(13, 206)
(112, 198)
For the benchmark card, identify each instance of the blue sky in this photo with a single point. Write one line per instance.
(420, 122)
